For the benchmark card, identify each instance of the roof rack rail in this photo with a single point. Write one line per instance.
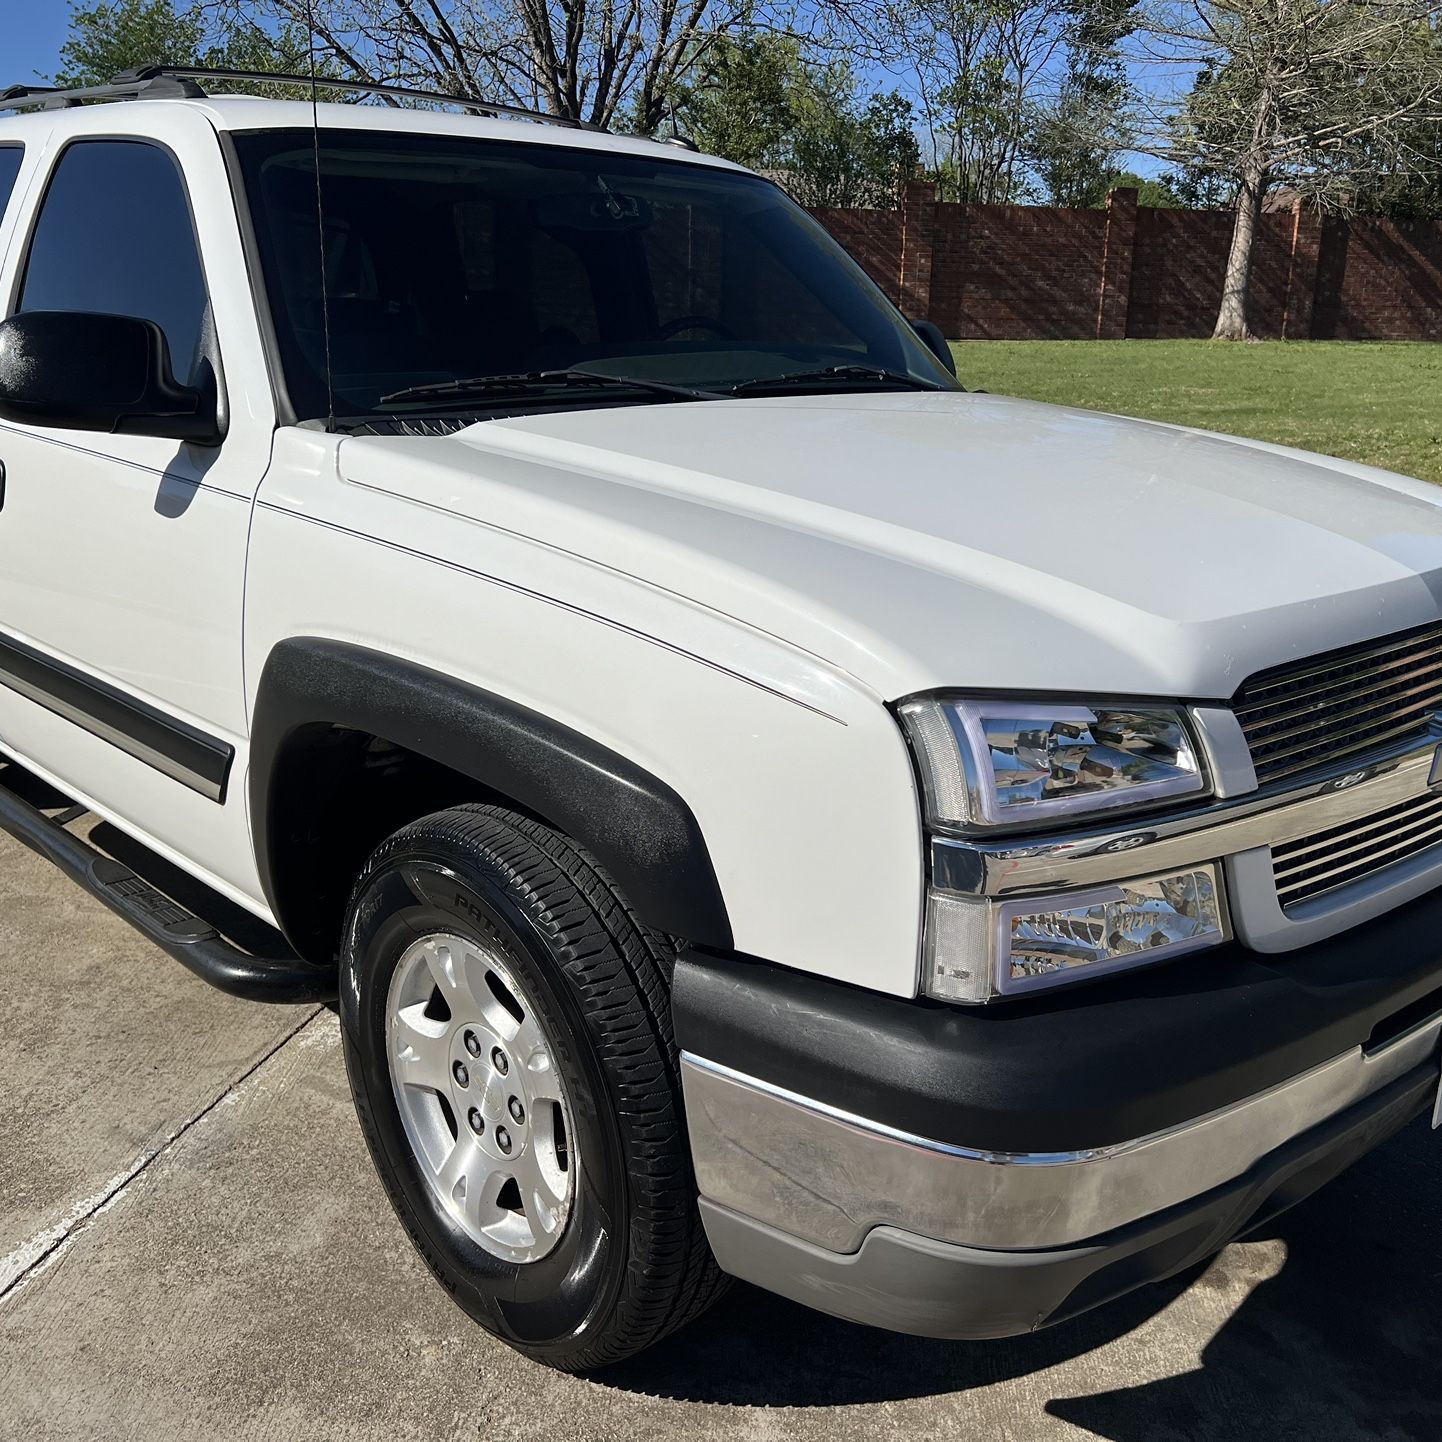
(182, 82)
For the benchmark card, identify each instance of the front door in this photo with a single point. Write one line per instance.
(122, 558)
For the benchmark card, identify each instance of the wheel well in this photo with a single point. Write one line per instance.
(338, 794)
(326, 783)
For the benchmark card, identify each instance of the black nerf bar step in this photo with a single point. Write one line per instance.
(191, 940)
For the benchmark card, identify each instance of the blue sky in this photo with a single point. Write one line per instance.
(31, 33)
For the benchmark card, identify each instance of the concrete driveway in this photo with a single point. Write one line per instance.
(192, 1245)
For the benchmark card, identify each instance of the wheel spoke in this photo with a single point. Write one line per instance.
(420, 1055)
(450, 966)
(542, 1200)
(480, 1207)
(533, 1056)
(463, 1174)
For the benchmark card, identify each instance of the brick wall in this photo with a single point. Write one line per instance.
(1021, 272)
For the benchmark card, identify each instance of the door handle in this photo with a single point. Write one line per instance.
(2, 485)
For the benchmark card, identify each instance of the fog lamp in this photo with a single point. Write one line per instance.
(977, 950)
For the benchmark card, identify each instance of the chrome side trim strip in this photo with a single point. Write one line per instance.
(829, 1176)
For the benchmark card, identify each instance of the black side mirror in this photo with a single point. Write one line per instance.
(109, 373)
(935, 342)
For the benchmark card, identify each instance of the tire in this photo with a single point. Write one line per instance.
(608, 1255)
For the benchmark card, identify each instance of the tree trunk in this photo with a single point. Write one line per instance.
(1232, 318)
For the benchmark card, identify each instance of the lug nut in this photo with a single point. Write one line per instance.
(498, 1060)
(477, 1121)
(518, 1112)
(503, 1140)
(462, 1076)
(473, 1043)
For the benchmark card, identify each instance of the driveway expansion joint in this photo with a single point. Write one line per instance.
(37, 1253)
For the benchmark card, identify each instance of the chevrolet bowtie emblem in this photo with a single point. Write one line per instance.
(1434, 777)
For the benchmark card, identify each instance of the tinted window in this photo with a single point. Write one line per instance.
(115, 236)
(10, 158)
(449, 258)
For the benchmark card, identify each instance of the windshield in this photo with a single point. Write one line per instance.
(450, 259)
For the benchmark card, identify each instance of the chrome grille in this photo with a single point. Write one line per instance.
(1328, 859)
(1332, 708)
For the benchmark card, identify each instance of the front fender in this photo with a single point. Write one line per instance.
(636, 826)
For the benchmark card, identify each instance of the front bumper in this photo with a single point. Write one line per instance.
(980, 1172)
(916, 1284)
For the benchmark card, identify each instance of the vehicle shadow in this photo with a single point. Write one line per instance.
(1346, 1339)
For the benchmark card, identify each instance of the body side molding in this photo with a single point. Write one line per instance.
(637, 826)
(185, 754)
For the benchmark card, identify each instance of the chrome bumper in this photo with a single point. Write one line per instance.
(827, 1177)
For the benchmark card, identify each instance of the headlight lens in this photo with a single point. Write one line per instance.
(978, 950)
(998, 763)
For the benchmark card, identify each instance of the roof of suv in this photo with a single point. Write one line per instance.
(245, 112)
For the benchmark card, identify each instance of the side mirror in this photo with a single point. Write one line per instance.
(111, 373)
(935, 342)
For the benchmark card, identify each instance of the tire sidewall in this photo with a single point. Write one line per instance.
(420, 889)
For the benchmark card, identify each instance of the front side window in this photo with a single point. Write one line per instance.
(10, 158)
(448, 259)
(115, 236)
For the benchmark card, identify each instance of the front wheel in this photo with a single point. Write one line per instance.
(508, 1042)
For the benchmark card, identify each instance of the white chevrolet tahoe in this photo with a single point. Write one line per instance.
(764, 810)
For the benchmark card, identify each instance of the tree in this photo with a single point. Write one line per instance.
(1322, 95)
(739, 103)
(588, 60)
(978, 63)
(107, 39)
(1416, 192)
(849, 154)
(1075, 140)
(762, 103)
(113, 36)
(1415, 195)
(1154, 192)
(990, 74)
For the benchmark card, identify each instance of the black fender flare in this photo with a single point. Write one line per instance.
(639, 828)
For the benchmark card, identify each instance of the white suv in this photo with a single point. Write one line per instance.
(765, 810)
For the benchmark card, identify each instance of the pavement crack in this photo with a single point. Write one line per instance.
(37, 1253)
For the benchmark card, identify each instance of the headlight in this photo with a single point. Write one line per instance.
(979, 950)
(1005, 763)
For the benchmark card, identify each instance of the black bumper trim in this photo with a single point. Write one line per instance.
(1093, 1066)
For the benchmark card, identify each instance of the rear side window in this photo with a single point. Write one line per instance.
(10, 158)
(115, 235)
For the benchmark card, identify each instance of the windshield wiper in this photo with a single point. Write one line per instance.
(843, 373)
(473, 387)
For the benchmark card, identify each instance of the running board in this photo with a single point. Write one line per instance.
(192, 941)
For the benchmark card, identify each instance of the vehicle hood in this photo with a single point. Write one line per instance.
(946, 539)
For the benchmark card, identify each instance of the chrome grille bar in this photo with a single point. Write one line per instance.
(1312, 865)
(1334, 708)
(1317, 694)
(1359, 655)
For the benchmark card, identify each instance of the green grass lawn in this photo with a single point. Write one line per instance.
(1381, 404)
